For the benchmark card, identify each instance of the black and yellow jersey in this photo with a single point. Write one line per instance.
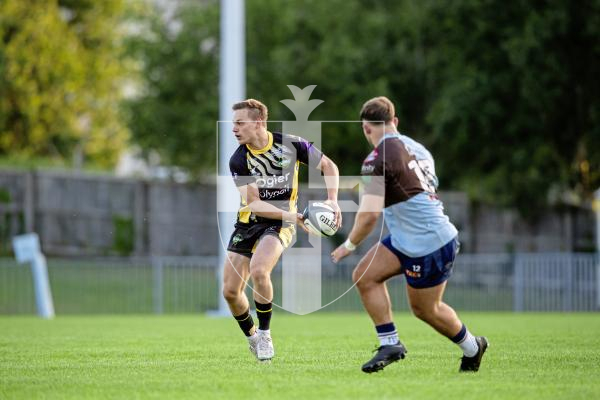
(274, 170)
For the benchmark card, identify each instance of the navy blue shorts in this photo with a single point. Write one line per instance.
(427, 271)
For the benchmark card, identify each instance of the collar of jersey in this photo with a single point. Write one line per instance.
(264, 149)
(388, 136)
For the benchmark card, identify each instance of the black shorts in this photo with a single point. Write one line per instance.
(245, 237)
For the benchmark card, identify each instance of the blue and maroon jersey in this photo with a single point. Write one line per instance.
(402, 171)
(274, 170)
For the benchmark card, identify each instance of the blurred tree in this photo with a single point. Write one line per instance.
(176, 110)
(505, 94)
(60, 80)
(288, 43)
(515, 103)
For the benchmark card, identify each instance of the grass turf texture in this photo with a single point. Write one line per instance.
(531, 356)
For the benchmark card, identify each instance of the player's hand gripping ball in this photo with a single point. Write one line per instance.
(319, 219)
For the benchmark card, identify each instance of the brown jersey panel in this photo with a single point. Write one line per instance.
(391, 161)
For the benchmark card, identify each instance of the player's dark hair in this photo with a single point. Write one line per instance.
(258, 109)
(378, 110)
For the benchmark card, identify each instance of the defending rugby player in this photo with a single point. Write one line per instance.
(422, 244)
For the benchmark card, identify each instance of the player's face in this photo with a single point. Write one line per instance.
(245, 128)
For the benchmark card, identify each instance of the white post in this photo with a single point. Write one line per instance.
(232, 88)
(27, 249)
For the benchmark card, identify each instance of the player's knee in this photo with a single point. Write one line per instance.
(259, 275)
(356, 275)
(424, 312)
(230, 294)
(361, 280)
(421, 312)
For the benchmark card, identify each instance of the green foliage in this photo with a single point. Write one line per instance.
(504, 94)
(5, 196)
(60, 71)
(516, 98)
(124, 234)
(177, 112)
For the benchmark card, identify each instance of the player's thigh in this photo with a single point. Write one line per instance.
(378, 265)
(236, 271)
(266, 254)
(425, 298)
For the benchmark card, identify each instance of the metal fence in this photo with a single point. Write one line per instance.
(480, 282)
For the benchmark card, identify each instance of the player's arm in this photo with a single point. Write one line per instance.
(264, 209)
(364, 223)
(331, 174)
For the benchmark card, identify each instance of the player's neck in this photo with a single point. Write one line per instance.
(377, 136)
(261, 140)
(390, 129)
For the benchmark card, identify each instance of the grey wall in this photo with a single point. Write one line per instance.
(91, 215)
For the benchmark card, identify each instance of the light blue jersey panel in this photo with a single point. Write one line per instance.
(418, 225)
(416, 148)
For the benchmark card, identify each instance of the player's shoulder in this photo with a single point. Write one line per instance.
(418, 150)
(238, 156)
(288, 137)
(278, 136)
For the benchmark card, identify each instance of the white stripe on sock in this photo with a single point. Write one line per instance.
(387, 339)
(469, 345)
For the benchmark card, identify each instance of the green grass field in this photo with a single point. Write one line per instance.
(532, 356)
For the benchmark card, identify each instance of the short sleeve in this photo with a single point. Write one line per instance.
(239, 170)
(306, 152)
(373, 175)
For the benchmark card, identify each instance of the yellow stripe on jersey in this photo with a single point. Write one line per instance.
(264, 149)
(294, 195)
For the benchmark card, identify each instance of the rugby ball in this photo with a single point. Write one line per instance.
(319, 219)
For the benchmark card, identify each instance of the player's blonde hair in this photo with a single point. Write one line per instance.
(256, 109)
(378, 110)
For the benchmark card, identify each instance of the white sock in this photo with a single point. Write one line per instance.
(267, 332)
(253, 337)
(469, 345)
(388, 339)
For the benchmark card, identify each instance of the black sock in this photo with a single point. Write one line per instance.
(245, 321)
(263, 312)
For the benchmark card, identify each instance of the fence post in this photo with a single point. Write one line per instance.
(157, 277)
(140, 214)
(518, 284)
(568, 282)
(29, 200)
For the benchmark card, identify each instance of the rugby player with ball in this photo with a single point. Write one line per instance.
(265, 170)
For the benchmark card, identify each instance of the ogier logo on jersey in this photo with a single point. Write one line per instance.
(272, 181)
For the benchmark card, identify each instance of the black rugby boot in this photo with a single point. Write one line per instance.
(384, 357)
(471, 364)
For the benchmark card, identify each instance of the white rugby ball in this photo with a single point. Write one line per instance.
(319, 219)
